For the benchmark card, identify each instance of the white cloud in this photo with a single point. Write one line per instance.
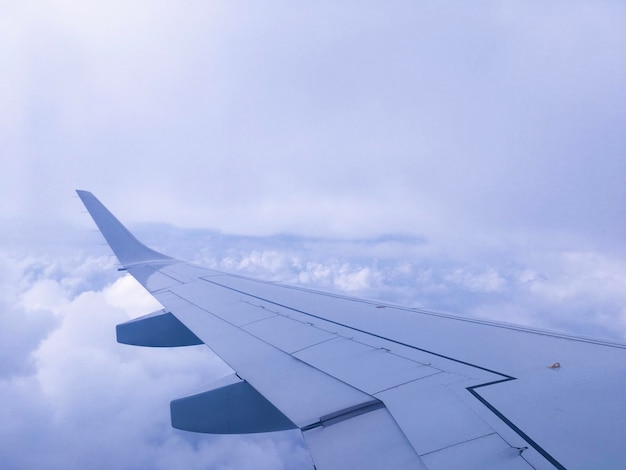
(44, 293)
(579, 292)
(85, 401)
(488, 280)
(256, 120)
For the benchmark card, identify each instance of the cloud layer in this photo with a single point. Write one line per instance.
(349, 120)
(486, 139)
(75, 398)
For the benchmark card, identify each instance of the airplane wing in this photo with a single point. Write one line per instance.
(374, 386)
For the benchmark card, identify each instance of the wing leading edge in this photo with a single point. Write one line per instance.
(373, 387)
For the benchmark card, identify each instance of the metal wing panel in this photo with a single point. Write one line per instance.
(288, 334)
(430, 400)
(369, 369)
(577, 417)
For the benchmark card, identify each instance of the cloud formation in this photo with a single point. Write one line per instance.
(488, 139)
(75, 398)
(460, 122)
(555, 288)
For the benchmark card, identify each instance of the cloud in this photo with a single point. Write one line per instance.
(456, 123)
(76, 398)
(542, 286)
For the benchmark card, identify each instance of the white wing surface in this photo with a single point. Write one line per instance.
(375, 386)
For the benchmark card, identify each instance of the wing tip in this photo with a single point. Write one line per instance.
(126, 247)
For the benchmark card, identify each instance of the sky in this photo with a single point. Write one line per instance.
(464, 157)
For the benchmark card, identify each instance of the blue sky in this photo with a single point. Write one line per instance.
(466, 157)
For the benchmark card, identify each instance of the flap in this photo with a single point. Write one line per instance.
(231, 408)
(158, 329)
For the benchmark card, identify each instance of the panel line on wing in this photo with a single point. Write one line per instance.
(509, 423)
(312, 345)
(409, 381)
(458, 443)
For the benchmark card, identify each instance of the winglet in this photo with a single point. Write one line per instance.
(126, 247)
